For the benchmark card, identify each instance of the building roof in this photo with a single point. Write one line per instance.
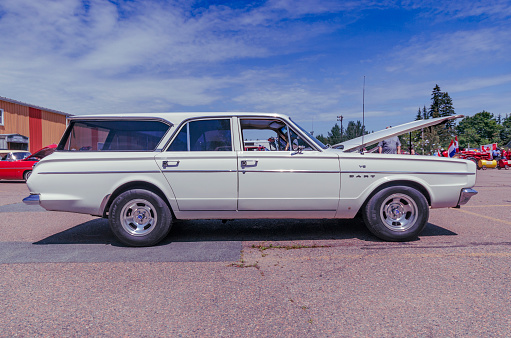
(34, 106)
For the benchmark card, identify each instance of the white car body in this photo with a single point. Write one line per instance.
(236, 184)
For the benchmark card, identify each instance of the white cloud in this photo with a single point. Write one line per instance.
(453, 50)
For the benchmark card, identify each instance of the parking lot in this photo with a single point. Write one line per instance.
(65, 274)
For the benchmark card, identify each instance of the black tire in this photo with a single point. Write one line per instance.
(27, 174)
(473, 159)
(506, 167)
(397, 213)
(153, 218)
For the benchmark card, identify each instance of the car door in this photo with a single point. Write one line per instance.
(13, 169)
(200, 165)
(289, 174)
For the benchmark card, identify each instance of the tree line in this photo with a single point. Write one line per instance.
(472, 131)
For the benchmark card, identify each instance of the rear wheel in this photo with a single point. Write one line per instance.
(473, 159)
(140, 218)
(397, 213)
(27, 174)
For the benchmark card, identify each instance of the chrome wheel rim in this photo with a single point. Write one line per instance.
(399, 212)
(138, 217)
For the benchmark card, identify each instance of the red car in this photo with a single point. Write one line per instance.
(21, 169)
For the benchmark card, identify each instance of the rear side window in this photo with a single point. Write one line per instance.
(204, 135)
(113, 135)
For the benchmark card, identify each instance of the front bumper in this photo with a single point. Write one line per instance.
(465, 195)
(33, 199)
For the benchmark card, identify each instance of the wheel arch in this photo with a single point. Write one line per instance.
(136, 185)
(406, 183)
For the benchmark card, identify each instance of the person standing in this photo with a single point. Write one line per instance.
(391, 145)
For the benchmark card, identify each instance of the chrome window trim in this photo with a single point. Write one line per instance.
(288, 123)
(192, 119)
(131, 118)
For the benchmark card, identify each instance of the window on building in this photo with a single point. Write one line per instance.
(1, 117)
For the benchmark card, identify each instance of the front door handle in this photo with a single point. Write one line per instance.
(248, 163)
(167, 164)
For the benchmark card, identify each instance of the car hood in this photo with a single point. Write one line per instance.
(42, 153)
(372, 138)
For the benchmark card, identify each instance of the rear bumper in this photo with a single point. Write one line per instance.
(33, 199)
(465, 195)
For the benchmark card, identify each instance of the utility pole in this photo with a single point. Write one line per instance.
(339, 118)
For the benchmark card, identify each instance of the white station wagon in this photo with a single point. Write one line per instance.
(144, 171)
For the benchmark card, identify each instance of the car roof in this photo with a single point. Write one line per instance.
(175, 118)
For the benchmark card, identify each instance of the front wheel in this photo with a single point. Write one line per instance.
(139, 218)
(397, 213)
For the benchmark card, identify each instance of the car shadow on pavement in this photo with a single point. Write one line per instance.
(97, 231)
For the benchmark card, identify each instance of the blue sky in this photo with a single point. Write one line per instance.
(303, 58)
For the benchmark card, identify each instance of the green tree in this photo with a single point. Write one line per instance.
(441, 106)
(482, 128)
(354, 129)
(322, 139)
(505, 133)
(335, 136)
(429, 139)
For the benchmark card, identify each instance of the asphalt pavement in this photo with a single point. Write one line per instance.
(64, 274)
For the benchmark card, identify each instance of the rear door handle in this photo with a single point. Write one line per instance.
(249, 163)
(167, 164)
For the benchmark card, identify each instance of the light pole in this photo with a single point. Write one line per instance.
(339, 118)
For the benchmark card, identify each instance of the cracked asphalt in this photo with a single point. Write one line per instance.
(64, 274)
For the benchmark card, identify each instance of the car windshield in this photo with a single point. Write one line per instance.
(318, 142)
(19, 156)
(14, 156)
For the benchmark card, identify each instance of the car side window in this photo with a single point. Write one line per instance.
(297, 141)
(111, 135)
(270, 135)
(204, 135)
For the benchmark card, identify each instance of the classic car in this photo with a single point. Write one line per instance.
(144, 171)
(19, 167)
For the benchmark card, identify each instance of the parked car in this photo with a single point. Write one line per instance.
(143, 171)
(13, 155)
(18, 165)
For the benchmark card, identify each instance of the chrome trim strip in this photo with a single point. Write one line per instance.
(199, 171)
(97, 172)
(291, 171)
(408, 172)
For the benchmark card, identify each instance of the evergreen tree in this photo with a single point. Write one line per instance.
(335, 136)
(419, 115)
(354, 130)
(322, 139)
(438, 136)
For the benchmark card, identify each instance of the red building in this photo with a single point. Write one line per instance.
(28, 127)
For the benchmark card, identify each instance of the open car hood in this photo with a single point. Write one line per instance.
(42, 153)
(372, 138)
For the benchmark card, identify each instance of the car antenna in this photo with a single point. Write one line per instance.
(363, 114)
